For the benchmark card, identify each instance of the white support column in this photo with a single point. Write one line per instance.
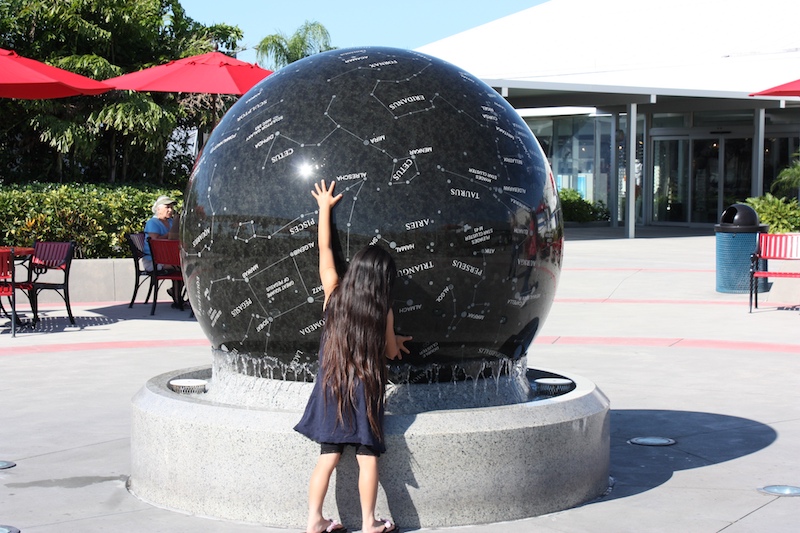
(630, 174)
(757, 181)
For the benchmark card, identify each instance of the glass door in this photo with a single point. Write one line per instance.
(705, 198)
(695, 179)
(670, 180)
(721, 176)
(738, 171)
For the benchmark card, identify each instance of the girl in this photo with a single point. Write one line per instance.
(346, 404)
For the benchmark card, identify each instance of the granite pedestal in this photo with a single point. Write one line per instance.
(444, 467)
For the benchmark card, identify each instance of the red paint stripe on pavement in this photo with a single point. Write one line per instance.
(109, 345)
(667, 342)
(650, 302)
(610, 341)
(633, 269)
(770, 306)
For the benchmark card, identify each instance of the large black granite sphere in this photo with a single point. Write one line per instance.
(434, 166)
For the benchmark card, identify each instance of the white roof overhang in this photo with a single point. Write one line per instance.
(681, 55)
(540, 94)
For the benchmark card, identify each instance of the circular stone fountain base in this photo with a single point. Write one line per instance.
(446, 467)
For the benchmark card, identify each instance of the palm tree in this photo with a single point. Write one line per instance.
(788, 181)
(278, 50)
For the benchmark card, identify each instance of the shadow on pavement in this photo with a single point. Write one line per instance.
(50, 324)
(142, 312)
(87, 317)
(701, 439)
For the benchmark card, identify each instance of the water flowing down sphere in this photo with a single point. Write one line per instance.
(434, 165)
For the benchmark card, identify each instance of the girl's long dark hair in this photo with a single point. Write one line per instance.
(355, 334)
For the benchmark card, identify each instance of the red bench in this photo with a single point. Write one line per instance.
(778, 246)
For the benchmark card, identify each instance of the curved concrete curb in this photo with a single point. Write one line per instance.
(443, 468)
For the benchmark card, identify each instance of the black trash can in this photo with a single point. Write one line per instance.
(737, 238)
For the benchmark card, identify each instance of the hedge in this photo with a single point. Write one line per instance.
(96, 217)
(576, 209)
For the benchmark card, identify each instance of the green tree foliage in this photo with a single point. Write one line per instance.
(788, 180)
(117, 136)
(278, 50)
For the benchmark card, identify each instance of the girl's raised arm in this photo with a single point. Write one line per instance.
(327, 268)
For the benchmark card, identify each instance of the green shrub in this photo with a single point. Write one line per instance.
(782, 215)
(96, 217)
(601, 211)
(788, 180)
(576, 209)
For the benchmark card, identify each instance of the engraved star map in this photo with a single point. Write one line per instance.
(434, 165)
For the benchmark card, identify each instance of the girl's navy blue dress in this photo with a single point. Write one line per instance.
(319, 422)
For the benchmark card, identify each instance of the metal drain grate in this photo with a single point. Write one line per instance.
(781, 490)
(552, 386)
(188, 386)
(652, 441)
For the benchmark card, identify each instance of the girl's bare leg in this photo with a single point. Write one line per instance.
(368, 492)
(317, 489)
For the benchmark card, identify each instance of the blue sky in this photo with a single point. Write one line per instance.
(402, 24)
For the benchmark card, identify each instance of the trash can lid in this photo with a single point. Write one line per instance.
(739, 215)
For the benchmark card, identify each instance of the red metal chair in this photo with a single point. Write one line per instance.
(136, 243)
(167, 260)
(49, 257)
(777, 246)
(7, 286)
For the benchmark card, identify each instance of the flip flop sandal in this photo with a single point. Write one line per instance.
(335, 527)
(389, 526)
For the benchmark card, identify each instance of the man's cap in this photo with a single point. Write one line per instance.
(163, 200)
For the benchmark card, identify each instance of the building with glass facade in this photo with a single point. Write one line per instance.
(650, 101)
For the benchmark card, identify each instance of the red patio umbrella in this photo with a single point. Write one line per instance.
(213, 73)
(29, 79)
(787, 89)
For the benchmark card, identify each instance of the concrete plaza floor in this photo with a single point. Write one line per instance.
(639, 317)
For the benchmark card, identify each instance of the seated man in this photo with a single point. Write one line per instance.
(164, 224)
